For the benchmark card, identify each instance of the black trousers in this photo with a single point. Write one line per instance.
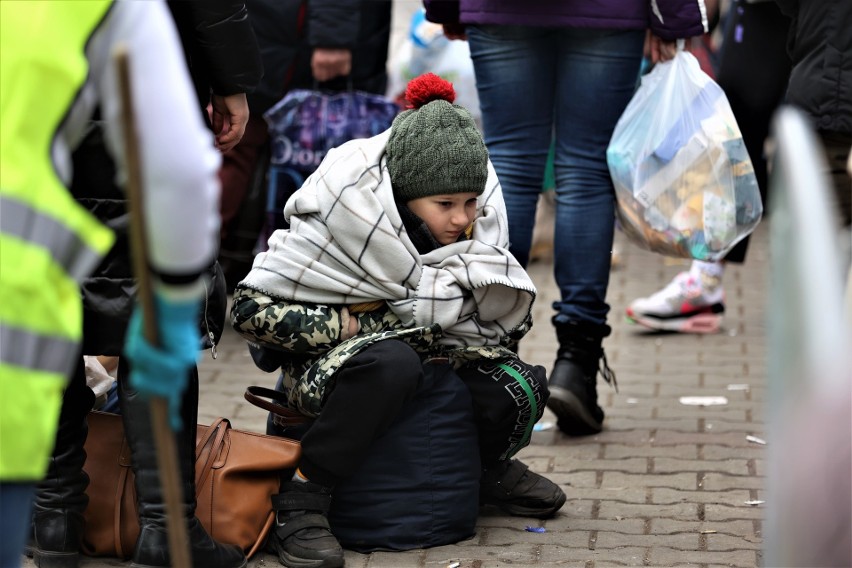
(372, 388)
(753, 71)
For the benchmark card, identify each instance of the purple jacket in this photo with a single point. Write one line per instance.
(668, 19)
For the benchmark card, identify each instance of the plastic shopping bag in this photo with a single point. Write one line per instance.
(303, 127)
(683, 179)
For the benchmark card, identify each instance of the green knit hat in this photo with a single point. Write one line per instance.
(435, 147)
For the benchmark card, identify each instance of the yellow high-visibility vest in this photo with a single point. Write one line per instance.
(48, 242)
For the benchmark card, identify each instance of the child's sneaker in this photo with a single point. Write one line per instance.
(692, 303)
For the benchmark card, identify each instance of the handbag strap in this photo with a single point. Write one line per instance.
(264, 532)
(119, 505)
(214, 438)
(277, 405)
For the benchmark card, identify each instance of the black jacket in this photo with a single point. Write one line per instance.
(220, 46)
(820, 46)
(288, 30)
(110, 292)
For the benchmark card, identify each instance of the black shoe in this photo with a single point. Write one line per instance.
(152, 549)
(56, 542)
(573, 381)
(512, 487)
(302, 536)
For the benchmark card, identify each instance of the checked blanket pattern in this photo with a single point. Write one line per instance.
(347, 244)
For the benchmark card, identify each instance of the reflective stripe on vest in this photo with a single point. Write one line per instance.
(67, 249)
(23, 348)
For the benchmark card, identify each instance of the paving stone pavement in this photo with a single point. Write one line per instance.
(664, 484)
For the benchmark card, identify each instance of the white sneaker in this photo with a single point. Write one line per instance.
(691, 303)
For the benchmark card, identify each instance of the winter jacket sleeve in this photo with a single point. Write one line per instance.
(295, 327)
(222, 43)
(179, 162)
(442, 11)
(334, 23)
(301, 328)
(675, 19)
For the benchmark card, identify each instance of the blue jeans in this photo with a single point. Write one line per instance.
(16, 504)
(535, 84)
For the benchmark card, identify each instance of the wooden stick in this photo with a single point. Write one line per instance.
(164, 440)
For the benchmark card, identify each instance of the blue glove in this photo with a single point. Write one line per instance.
(164, 370)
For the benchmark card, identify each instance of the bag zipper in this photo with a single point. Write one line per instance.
(213, 352)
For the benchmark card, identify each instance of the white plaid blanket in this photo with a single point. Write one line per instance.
(347, 244)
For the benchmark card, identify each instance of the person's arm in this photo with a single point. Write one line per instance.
(226, 53)
(295, 327)
(672, 20)
(333, 33)
(224, 40)
(179, 183)
(303, 328)
(442, 11)
(178, 161)
(446, 13)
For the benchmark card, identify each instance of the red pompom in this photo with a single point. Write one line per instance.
(427, 88)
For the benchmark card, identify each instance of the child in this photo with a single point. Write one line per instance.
(396, 257)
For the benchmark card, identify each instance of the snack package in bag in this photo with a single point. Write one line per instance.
(683, 179)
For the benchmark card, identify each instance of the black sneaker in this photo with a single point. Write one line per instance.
(512, 487)
(302, 536)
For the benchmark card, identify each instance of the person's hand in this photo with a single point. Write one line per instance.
(229, 116)
(661, 50)
(455, 31)
(163, 370)
(350, 322)
(328, 63)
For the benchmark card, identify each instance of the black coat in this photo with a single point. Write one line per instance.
(820, 46)
(110, 292)
(288, 31)
(220, 46)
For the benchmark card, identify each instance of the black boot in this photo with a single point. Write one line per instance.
(57, 526)
(302, 535)
(511, 486)
(572, 383)
(152, 546)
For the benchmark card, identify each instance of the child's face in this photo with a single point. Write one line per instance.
(446, 216)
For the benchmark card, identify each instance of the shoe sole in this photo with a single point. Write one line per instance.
(46, 559)
(700, 323)
(293, 562)
(289, 561)
(574, 419)
(521, 511)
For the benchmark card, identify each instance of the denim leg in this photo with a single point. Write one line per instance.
(597, 76)
(534, 83)
(515, 70)
(15, 520)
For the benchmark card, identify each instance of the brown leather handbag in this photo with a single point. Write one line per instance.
(236, 474)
